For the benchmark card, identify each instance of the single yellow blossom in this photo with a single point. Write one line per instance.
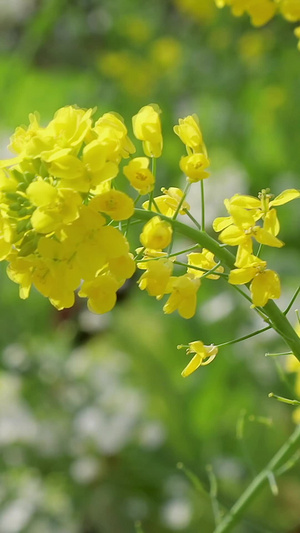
(203, 356)
(205, 260)
(101, 293)
(240, 227)
(112, 133)
(263, 206)
(189, 133)
(183, 297)
(122, 267)
(194, 167)
(58, 207)
(116, 204)
(156, 234)
(147, 128)
(139, 175)
(265, 283)
(156, 277)
(168, 203)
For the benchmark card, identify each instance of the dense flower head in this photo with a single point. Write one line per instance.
(61, 213)
(56, 198)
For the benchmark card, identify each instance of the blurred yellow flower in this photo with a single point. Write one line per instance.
(166, 53)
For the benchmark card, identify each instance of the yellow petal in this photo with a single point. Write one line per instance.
(286, 196)
(271, 222)
(247, 202)
(239, 276)
(221, 223)
(192, 366)
(264, 237)
(265, 285)
(233, 236)
(41, 193)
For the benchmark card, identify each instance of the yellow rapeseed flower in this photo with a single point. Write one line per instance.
(203, 356)
(156, 277)
(205, 260)
(183, 297)
(101, 293)
(139, 175)
(194, 167)
(189, 132)
(116, 204)
(168, 203)
(265, 283)
(147, 128)
(156, 234)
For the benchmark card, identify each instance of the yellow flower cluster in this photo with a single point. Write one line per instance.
(55, 202)
(61, 216)
(241, 227)
(157, 233)
(262, 11)
(153, 60)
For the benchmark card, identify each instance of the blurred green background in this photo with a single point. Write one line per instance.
(95, 419)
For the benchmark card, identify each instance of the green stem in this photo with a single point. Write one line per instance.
(262, 479)
(213, 492)
(204, 270)
(202, 206)
(192, 219)
(186, 190)
(277, 319)
(245, 337)
(285, 312)
(283, 400)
